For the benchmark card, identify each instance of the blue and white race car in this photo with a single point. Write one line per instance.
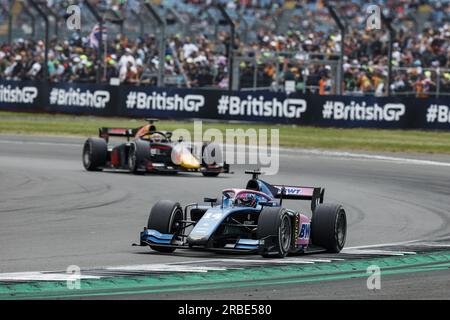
(250, 220)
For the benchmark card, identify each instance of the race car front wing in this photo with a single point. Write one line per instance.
(153, 238)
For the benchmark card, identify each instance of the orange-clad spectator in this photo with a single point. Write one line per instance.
(322, 84)
(325, 85)
(364, 82)
(270, 70)
(419, 88)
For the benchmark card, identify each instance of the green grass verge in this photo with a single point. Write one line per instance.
(290, 136)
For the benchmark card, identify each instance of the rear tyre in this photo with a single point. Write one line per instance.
(165, 217)
(275, 227)
(95, 153)
(329, 227)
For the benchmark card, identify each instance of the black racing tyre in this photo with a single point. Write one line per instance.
(137, 157)
(329, 227)
(95, 154)
(275, 226)
(211, 154)
(164, 217)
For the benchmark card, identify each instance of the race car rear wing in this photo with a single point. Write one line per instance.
(315, 195)
(106, 133)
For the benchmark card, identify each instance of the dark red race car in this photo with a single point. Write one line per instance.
(150, 150)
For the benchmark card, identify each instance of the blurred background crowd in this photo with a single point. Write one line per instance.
(276, 42)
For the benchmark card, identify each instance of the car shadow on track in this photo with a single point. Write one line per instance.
(163, 174)
(199, 254)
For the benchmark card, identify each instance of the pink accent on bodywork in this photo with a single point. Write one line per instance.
(303, 220)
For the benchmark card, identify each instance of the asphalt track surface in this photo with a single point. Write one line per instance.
(54, 214)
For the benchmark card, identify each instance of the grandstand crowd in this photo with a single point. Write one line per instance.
(306, 51)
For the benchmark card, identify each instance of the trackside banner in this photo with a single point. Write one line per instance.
(166, 103)
(82, 99)
(20, 95)
(259, 106)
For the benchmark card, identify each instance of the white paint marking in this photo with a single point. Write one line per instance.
(269, 261)
(386, 244)
(377, 252)
(39, 276)
(363, 156)
(165, 268)
(437, 245)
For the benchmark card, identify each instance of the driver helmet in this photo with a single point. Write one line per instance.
(247, 200)
(142, 131)
(148, 132)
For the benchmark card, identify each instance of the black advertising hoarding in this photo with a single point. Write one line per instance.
(166, 103)
(271, 107)
(21, 96)
(213, 104)
(432, 114)
(76, 98)
(258, 106)
(380, 112)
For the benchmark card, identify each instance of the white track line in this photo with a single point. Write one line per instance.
(363, 156)
(290, 152)
(402, 243)
(350, 156)
(268, 261)
(39, 276)
(165, 268)
(377, 252)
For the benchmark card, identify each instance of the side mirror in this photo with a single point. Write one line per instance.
(210, 200)
(266, 203)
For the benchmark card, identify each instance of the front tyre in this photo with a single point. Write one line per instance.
(329, 227)
(165, 217)
(95, 154)
(211, 155)
(275, 228)
(137, 157)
